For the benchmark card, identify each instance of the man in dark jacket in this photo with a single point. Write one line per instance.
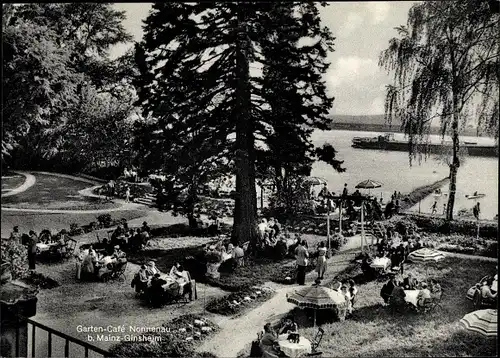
(387, 289)
(410, 283)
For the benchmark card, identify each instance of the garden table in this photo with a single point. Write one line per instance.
(41, 247)
(411, 296)
(380, 263)
(294, 350)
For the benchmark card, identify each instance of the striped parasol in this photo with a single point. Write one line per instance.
(482, 321)
(316, 181)
(317, 297)
(426, 255)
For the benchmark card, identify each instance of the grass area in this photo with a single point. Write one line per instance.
(376, 331)
(12, 182)
(51, 192)
(55, 222)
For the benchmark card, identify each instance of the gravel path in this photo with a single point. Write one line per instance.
(28, 183)
(237, 332)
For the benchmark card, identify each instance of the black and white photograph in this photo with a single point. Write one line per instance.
(239, 179)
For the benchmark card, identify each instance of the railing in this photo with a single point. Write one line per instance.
(50, 332)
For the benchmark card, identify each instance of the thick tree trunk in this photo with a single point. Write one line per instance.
(244, 227)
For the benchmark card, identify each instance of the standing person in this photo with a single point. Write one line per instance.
(301, 255)
(127, 194)
(444, 209)
(111, 189)
(476, 211)
(15, 235)
(32, 249)
(434, 207)
(321, 264)
(345, 192)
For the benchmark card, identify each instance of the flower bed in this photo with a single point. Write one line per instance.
(41, 281)
(182, 336)
(239, 302)
(430, 224)
(463, 244)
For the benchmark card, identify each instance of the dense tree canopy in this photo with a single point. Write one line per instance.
(237, 78)
(445, 64)
(59, 79)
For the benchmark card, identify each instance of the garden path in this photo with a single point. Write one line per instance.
(237, 332)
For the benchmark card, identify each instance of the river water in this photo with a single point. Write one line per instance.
(393, 170)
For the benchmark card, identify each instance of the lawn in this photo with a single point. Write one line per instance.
(168, 251)
(12, 182)
(55, 222)
(51, 192)
(375, 331)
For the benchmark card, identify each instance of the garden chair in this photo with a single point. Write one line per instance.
(434, 303)
(118, 271)
(316, 342)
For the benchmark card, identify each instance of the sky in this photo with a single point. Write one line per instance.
(362, 30)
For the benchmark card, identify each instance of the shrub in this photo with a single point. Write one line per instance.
(228, 266)
(491, 250)
(41, 281)
(16, 255)
(75, 229)
(173, 343)
(104, 220)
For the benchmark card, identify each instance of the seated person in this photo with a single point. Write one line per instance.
(353, 290)
(135, 241)
(140, 281)
(61, 245)
(486, 293)
(105, 265)
(435, 289)
(424, 295)
(269, 340)
(387, 289)
(151, 269)
(410, 283)
(146, 228)
(494, 283)
(230, 250)
(117, 233)
(156, 292)
(348, 298)
(144, 238)
(288, 326)
(398, 295)
(174, 271)
(118, 254)
(88, 265)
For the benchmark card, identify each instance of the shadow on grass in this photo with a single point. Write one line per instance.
(458, 344)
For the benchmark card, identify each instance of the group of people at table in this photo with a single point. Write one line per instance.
(391, 252)
(278, 342)
(38, 244)
(96, 265)
(149, 282)
(410, 290)
(134, 239)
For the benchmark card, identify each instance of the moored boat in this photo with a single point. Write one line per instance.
(387, 142)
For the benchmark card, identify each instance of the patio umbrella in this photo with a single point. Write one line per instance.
(316, 181)
(482, 321)
(366, 184)
(317, 297)
(426, 255)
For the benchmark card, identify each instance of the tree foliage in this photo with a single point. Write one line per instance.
(236, 78)
(58, 76)
(445, 64)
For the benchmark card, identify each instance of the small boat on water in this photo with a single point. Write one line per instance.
(476, 195)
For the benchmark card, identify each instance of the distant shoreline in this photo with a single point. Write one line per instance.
(390, 129)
